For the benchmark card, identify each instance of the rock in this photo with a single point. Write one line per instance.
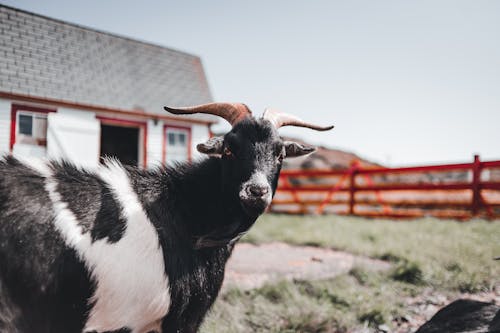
(464, 316)
(383, 328)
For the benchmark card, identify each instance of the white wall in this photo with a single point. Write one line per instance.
(199, 134)
(5, 109)
(155, 143)
(75, 136)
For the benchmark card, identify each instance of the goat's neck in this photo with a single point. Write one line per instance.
(206, 205)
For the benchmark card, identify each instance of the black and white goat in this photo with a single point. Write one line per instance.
(119, 249)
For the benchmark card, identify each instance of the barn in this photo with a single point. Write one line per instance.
(68, 91)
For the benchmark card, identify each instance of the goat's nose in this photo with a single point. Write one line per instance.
(258, 190)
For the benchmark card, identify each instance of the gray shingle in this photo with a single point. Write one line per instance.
(59, 60)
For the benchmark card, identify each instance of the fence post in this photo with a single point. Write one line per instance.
(352, 187)
(476, 186)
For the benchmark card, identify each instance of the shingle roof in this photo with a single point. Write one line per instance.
(48, 58)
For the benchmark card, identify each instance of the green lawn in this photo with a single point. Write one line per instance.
(452, 255)
(428, 255)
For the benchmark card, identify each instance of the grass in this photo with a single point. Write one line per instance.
(451, 255)
(335, 305)
(444, 257)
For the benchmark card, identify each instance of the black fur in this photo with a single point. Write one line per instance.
(464, 315)
(43, 282)
(93, 203)
(195, 275)
(195, 209)
(121, 330)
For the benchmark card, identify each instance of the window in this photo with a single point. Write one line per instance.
(32, 128)
(28, 130)
(171, 139)
(177, 144)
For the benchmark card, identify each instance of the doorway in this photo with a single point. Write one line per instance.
(121, 143)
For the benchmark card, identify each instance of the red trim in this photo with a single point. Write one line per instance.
(131, 123)
(13, 118)
(96, 108)
(490, 164)
(164, 145)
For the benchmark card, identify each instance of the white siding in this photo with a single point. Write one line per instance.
(76, 113)
(5, 108)
(75, 136)
(155, 143)
(199, 134)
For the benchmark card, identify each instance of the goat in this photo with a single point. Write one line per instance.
(121, 249)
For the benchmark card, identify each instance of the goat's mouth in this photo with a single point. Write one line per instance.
(255, 206)
(255, 195)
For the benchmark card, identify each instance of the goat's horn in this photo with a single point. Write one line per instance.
(279, 119)
(232, 112)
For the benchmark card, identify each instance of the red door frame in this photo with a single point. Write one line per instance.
(130, 123)
(15, 108)
(189, 141)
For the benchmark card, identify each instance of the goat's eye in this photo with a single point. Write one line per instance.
(227, 152)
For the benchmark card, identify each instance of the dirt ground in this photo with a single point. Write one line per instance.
(251, 266)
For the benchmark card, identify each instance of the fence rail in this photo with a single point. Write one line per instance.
(461, 191)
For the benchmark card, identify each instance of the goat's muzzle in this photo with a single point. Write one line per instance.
(255, 195)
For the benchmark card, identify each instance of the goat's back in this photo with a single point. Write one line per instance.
(41, 279)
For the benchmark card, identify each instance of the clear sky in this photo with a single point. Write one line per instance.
(404, 82)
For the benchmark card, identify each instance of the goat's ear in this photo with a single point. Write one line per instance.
(212, 147)
(294, 149)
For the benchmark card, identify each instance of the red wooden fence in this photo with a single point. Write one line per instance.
(459, 191)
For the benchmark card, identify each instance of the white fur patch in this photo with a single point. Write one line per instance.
(36, 164)
(132, 290)
(257, 178)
